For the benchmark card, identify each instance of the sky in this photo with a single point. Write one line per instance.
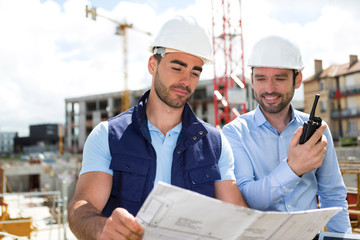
(50, 51)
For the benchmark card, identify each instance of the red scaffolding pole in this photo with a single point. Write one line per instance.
(228, 56)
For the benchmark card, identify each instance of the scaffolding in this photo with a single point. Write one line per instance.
(229, 58)
(23, 225)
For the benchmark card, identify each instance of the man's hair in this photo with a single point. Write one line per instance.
(295, 73)
(158, 57)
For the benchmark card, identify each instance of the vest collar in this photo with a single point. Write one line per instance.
(141, 106)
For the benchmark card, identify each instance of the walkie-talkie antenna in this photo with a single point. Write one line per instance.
(312, 114)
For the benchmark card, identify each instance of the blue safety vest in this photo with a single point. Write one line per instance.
(195, 158)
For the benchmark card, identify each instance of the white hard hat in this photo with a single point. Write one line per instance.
(184, 34)
(276, 52)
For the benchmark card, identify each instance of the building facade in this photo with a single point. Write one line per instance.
(84, 113)
(7, 142)
(339, 103)
(43, 137)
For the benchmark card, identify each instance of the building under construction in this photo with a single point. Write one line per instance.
(84, 113)
(7, 142)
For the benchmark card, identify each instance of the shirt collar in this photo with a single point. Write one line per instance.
(176, 129)
(260, 119)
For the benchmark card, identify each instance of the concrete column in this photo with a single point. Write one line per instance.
(110, 107)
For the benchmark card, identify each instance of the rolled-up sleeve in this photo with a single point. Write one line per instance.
(96, 152)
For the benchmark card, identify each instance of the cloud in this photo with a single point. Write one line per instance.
(323, 29)
(326, 30)
(50, 52)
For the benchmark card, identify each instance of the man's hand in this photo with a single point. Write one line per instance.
(303, 158)
(122, 225)
(85, 218)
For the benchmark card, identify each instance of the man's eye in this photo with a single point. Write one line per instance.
(196, 74)
(260, 79)
(176, 69)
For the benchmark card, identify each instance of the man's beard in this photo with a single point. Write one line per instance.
(163, 93)
(285, 100)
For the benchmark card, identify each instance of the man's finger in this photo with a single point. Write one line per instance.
(296, 137)
(317, 135)
(129, 221)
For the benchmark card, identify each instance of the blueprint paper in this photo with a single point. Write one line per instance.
(175, 213)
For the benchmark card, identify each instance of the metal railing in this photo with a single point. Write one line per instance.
(349, 112)
(345, 91)
(57, 204)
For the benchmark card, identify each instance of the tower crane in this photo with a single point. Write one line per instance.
(121, 30)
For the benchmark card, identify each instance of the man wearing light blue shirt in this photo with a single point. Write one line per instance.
(97, 157)
(273, 171)
(159, 139)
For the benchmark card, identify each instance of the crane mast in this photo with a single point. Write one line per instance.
(121, 30)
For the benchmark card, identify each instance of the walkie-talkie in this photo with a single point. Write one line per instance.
(312, 124)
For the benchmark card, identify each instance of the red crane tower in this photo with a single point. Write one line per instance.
(229, 58)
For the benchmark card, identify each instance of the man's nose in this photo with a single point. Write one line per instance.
(186, 78)
(270, 86)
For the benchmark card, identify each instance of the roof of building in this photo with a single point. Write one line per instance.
(335, 71)
(139, 92)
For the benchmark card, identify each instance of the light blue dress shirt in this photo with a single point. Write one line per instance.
(267, 182)
(97, 157)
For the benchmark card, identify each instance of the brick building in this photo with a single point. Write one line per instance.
(339, 104)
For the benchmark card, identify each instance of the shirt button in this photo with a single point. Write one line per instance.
(178, 152)
(201, 132)
(194, 137)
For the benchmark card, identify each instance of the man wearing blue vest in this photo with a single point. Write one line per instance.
(159, 139)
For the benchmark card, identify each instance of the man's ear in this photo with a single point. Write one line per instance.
(298, 80)
(152, 65)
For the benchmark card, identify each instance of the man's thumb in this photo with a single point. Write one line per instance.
(296, 137)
